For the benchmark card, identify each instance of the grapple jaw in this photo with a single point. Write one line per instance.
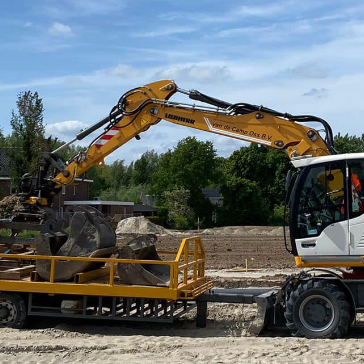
(90, 236)
(142, 248)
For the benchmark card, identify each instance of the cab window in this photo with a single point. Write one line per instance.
(321, 199)
(356, 185)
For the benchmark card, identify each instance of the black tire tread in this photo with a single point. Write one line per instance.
(345, 309)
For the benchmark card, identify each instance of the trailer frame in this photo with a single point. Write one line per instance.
(98, 294)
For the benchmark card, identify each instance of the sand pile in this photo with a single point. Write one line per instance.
(245, 231)
(139, 225)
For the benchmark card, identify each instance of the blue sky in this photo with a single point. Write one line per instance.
(80, 55)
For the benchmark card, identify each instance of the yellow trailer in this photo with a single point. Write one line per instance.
(99, 293)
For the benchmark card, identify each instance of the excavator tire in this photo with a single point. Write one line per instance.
(90, 236)
(318, 309)
(142, 248)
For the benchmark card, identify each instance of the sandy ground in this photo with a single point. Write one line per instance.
(224, 340)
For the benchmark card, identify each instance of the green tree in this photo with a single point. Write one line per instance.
(2, 139)
(27, 137)
(144, 168)
(123, 193)
(117, 174)
(97, 175)
(268, 170)
(252, 185)
(243, 203)
(179, 212)
(279, 216)
(66, 153)
(349, 144)
(191, 166)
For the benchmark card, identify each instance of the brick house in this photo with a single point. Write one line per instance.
(108, 208)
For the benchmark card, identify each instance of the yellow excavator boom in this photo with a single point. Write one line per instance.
(145, 106)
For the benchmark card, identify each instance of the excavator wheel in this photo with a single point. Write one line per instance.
(90, 236)
(318, 309)
(142, 248)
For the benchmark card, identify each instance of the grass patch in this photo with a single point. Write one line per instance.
(23, 234)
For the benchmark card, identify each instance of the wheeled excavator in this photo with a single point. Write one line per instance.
(325, 200)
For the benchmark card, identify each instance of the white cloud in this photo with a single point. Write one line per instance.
(310, 70)
(76, 8)
(226, 146)
(237, 13)
(268, 33)
(163, 32)
(239, 72)
(103, 77)
(28, 24)
(247, 31)
(60, 30)
(65, 129)
(262, 11)
(198, 73)
(122, 70)
(317, 92)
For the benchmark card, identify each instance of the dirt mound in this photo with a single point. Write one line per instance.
(230, 251)
(139, 225)
(245, 231)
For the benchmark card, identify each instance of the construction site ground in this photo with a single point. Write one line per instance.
(236, 257)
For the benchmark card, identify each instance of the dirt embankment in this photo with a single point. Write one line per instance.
(227, 247)
(230, 251)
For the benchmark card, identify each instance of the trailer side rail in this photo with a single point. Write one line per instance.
(187, 276)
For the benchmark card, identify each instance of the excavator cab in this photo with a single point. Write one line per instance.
(327, 211)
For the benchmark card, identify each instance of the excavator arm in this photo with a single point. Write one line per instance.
(146, 106)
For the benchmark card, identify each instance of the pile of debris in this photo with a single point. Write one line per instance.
(8, 205)
(139, 225)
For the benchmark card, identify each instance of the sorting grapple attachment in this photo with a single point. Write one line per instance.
(142, 248)
(90, 236)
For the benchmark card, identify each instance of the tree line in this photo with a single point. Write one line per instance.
(251, 182)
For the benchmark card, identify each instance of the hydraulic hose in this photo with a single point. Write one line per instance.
(243, 108)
